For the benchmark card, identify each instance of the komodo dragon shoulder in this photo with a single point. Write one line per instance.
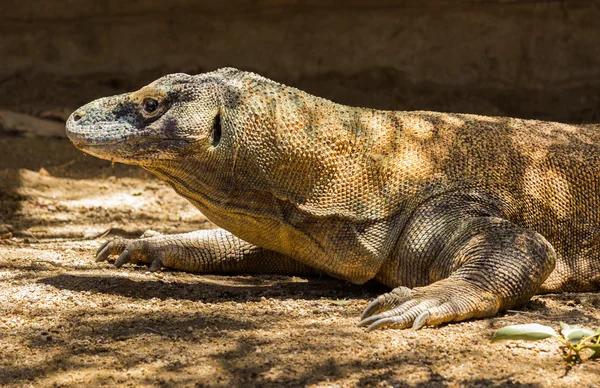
(462, 215)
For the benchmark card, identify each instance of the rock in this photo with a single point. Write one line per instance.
(26, 125)
(60, 114)
(6, 231)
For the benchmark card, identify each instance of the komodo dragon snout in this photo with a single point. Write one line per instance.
(462, 215)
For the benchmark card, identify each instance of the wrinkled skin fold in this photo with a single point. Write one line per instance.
(461, 215)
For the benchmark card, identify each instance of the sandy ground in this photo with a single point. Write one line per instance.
(68, 321)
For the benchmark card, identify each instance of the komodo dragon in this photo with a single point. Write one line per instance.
(464, 215)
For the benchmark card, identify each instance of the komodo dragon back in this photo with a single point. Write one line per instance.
(462, 215)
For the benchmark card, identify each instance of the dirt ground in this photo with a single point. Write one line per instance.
(68, 321)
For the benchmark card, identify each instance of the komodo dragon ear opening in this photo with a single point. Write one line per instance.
(216, 132)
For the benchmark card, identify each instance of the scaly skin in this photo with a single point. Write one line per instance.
(464, 215)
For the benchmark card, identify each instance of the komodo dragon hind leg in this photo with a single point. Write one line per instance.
(471, 264)
(204, 251)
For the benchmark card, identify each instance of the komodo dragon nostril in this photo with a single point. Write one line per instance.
(77, 116)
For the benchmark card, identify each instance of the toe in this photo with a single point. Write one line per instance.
(413, 313)
(103, 248)
(157, 263)
(421, 320)
(371, 309)
(392, 321)
(398, 311)
(123, 258)
(387, 301)
(103, 254)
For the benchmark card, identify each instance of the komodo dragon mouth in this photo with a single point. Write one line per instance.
(462, 215)
(137, 151)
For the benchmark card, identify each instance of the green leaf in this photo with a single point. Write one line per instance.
(595, 351)
(578, 334)
(529, 332)
(574, 334)
(595, 354)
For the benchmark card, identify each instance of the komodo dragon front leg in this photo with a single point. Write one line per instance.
(464, 261)
(202, 251)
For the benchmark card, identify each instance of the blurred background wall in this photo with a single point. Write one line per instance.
(524, 58)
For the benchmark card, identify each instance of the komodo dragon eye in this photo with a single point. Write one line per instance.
(150, 105)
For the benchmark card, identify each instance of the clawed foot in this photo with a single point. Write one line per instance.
(134, 251)
(444, 301)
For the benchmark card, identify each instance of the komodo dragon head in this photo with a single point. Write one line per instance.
(176, 115)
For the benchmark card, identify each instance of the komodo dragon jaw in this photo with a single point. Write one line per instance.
(462, 215)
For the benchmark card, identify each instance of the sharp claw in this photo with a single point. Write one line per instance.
(102, 247)
(421, 320)
(369, 320)
(122, 259)
(156, 265)
(103, 253)
(370, 309)
(381, 323)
